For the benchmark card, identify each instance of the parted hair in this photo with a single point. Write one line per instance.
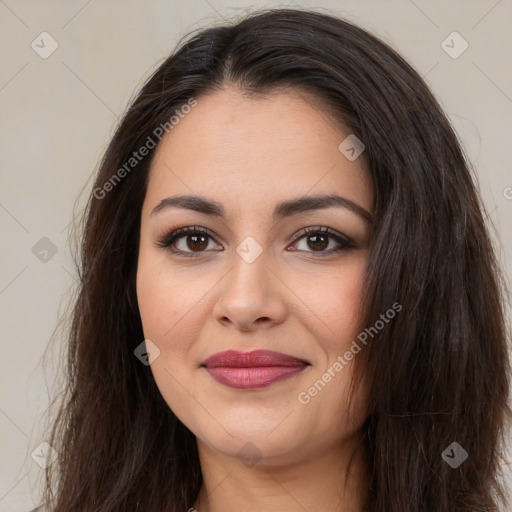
(437, 374)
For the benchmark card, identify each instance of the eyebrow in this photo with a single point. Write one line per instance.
(281, 210)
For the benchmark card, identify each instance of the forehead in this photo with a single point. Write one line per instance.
(248, 148)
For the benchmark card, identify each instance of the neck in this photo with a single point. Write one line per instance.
(313, 483)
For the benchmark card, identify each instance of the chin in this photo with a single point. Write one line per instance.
(277, 434)
(252, 449)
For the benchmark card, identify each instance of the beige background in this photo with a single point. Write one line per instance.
(58, 114)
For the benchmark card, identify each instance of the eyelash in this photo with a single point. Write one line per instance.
(168, 240)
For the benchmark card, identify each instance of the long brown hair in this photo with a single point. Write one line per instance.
(438, 374)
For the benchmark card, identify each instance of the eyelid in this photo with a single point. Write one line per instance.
(321, 229)
(175, 233)
(166, 241)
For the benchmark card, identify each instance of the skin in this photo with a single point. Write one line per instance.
(249, 153)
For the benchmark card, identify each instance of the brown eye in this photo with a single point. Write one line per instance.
(193, 241)
(187, 241)
(196, 242)
(318, 239)
(318, 242)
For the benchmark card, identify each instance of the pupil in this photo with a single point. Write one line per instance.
(196, 245)
(322, 244)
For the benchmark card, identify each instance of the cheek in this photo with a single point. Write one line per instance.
(168, 319)
(159, 312)
(167, 300)
(341, 307)
(175, 306)
(155, 305)
(338, 301)
(173, 309)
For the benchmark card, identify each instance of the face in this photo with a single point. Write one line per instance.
(260, 268)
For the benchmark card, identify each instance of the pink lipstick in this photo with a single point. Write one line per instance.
(251, 370)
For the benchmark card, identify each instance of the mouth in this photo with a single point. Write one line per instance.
(252, 370)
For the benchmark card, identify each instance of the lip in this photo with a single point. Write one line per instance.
(251, 370)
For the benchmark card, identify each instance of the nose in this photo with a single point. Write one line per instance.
(251, 296)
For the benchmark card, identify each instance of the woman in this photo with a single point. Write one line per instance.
(288, 297)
